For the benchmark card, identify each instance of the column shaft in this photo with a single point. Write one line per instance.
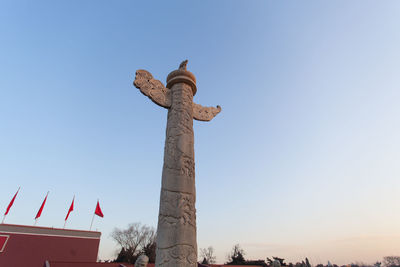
(176, 233)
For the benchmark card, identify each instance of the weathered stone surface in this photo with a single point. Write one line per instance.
(141, 261)
(180, 255)
(152, 88)
(176, 230)
(201, 113)
(176, 233)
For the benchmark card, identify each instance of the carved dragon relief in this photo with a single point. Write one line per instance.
(181, 255)
(176, 241)
(161, 95)
(179, 209)
(152, 88)
(201, 113)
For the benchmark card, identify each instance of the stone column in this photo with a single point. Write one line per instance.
(176, 233)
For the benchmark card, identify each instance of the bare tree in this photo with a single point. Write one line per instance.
(134, 240)
(236, 256)
(208, 255)
(391, 261)
(149, 247)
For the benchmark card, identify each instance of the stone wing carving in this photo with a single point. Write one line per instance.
(152, 88)
(201, 113)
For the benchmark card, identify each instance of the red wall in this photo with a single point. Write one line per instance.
(31, 248)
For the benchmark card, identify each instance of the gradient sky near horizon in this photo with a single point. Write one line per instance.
(302, 161)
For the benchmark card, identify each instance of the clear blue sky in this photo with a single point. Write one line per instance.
(302, 161)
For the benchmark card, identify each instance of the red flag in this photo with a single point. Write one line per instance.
(11, 202)
(71, 208)
(98, 210)
(41, 207)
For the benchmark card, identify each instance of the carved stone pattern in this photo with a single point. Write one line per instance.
(152, 88)
(201, 113)
(178, 256)
(176, 233)
(177, 159)
(177, 217)
(179, 152)
(178, 208)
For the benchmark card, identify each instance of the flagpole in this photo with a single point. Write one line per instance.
(40, 210)
(9, 205)
(91, 222)
(65, 222)
(94, 213)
